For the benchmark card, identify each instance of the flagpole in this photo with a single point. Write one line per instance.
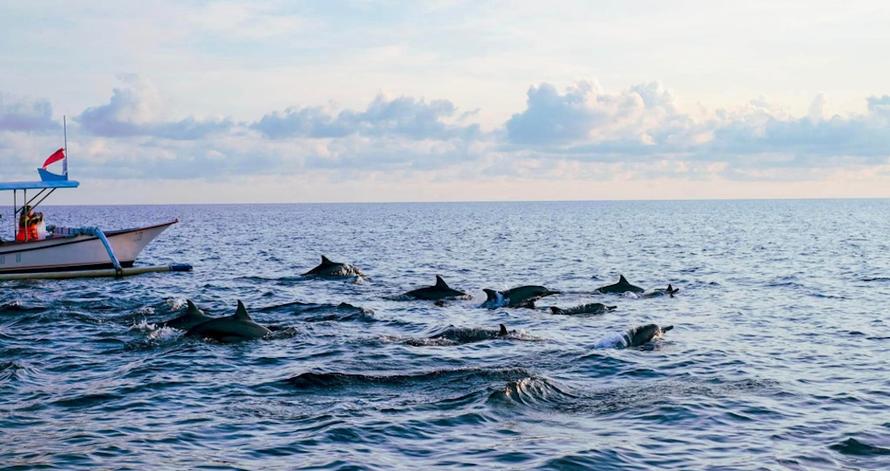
(65, 163)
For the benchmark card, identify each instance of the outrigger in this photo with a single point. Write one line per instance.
(66, 252)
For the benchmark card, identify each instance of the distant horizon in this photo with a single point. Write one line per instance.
(472, 202)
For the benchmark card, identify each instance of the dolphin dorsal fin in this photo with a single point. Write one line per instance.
(191, 307)
(670, 287)
(503, 332)
(622, 279)
(491, 294)
(325, 261)
(241, 313)
(440, 283)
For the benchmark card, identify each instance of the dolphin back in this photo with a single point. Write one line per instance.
(329, 268)
(621, 287)
(192, 317)
(238, 326)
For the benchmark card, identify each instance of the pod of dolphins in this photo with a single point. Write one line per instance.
(240, 326)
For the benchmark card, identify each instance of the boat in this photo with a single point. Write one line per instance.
(67, 252)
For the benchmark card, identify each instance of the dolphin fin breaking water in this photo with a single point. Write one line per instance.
(238, 326)
(329, 268)
(523, 296)
(437, 292)
(192, 317)
(622, 286)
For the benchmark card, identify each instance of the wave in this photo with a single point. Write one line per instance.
(612, 340)
(544, 393)
(854, 447)
(311, 381)
(16, 371)
(312, 312)
(299, 306)
(19, 306)
(532, 391)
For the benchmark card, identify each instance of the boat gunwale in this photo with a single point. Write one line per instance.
(73, 239)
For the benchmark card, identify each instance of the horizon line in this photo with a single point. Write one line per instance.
(488, 201)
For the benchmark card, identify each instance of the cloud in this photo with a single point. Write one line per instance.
(384, 116)
(27, 116)
(584, 132)
(586, 113)
(879, 106)
(643, 123)
(819, 108)
(136, 109)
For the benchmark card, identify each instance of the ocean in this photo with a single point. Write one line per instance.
(777, 359)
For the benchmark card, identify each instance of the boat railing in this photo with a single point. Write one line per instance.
(89, 231)
(58, 231)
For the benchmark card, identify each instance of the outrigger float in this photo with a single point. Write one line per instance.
(66, 252)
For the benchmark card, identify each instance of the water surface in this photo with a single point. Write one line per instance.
(777, 359)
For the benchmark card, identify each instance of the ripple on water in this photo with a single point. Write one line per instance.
(780, 362)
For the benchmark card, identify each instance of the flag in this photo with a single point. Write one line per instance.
(57, 156)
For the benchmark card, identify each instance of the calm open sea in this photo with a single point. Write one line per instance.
(778, 358)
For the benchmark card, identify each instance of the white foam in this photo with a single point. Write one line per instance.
(612, 340)
(175, 303)
(499, 301)
(146, 310)
(143, 326)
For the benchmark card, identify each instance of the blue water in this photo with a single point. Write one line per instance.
(777, 360)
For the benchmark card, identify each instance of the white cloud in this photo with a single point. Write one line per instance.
(136, 109)
(405, 116)
(18, 114)
(644, 124)
(819, 108)
(586, 132)
(644, 113)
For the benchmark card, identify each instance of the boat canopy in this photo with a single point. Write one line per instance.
(9, 186)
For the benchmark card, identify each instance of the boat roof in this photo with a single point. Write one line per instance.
(38, 185)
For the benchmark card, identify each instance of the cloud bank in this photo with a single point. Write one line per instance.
(136, 109)
(402, 116)
(24, 115)
(585, 131)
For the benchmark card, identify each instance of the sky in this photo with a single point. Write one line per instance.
(447, 100)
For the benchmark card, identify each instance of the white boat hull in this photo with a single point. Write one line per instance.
(80, 252)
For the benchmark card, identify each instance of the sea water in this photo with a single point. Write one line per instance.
(778, 358)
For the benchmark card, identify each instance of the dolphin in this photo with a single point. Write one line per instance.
(592, 308)
(192, 317)
(238, 326)
(437, 292)
(464, 335)
(503, 331)
(643, 334)
(329, 268)
(670, 291)
(523, 296)
(461, 335)
(621, 287)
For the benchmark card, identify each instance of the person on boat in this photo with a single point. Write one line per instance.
(28, 223)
